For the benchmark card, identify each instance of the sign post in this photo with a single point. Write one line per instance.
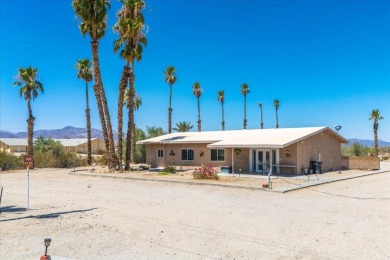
(28, 163)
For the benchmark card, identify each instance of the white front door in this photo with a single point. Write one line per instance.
(265, 159)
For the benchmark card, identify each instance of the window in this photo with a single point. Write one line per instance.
(217, 155)
(160, 153)
(187, 154)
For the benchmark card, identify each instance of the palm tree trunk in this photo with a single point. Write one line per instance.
(128, 142)
(244, 124)
(199, 121)
(376, 139)
(223, 118)
(101, 116)
(30, 130)
(261, 118)
(131, 112)
(277, 120)
(88, 116)
(122, 88)
(103, 101)
(133, 143)
(170, 110)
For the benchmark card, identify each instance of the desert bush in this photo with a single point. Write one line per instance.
(170, 169)
(51, 154)
(101, 159)
(10, 162)
(206, 172)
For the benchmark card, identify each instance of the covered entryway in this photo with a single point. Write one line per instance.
(261, 160)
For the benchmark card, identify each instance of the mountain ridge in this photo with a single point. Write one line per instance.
(81, 132)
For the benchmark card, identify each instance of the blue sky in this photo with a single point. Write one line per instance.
(328, 62)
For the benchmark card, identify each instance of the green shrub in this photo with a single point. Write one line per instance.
(169, 170)
(10, 162)
(101, 160)
(51, 154)
(206, 172)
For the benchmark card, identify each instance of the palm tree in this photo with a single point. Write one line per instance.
(131, 42)
(137, 103)
(85, 73)
(92, 15)
(244, 91)
(276, 105)
(376, 116)
(131, 136)
(183, 126)
(261, 115)
(170, 78)
(221, 99)
(197, 91)
(27, 80)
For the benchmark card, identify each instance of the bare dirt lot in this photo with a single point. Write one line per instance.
(103, 218)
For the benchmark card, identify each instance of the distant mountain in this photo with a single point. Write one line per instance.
(366, 142)
(64, 133)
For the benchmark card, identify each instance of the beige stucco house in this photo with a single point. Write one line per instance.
(13, 145)
(79, 145)
(280, 151)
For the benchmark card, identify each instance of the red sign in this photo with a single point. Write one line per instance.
(28, 161)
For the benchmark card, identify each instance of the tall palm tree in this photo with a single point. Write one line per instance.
(261, 115)
(130, 143)
(197, 91)
(84, 72)
(276, 105)
(221, 99)
(92, 15)
(170, 78)
(376, 116)
(27, 80)
(244, 91)
(183, 126)
(137, 103)
(131, 42)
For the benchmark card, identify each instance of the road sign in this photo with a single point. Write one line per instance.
(29, 161)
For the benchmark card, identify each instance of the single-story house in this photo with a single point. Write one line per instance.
(13, 145)
(282, 150)
(79, 145)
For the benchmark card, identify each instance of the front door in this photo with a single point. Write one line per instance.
(264, 159)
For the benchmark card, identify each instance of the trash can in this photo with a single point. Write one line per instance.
(318, 166)
(313, 166)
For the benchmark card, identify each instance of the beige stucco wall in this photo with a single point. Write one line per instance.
(301, 154)
(12, 148)
(308, 150)
(154, 161)
(96, 145)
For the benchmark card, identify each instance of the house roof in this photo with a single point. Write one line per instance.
(275, 138)
(64, 142)
(14, 141)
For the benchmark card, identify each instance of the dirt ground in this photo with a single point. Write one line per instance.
(103, 218)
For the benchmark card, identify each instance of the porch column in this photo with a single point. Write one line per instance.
(232, 160)
(250, 160)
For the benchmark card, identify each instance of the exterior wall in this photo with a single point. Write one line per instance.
(289, 160)
(241, 161)
(96, 146)
(361, 163)
(3, 147)
(12, 148)
(308, 150)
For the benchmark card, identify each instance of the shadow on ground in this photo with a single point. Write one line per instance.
(41, 216)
